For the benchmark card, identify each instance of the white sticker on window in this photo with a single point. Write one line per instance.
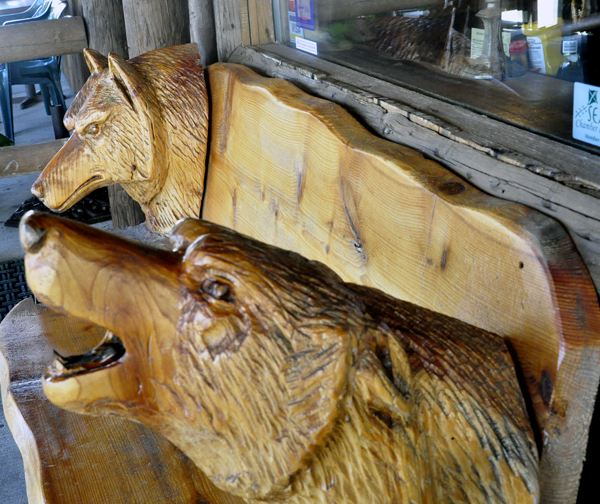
(306, 45)
(586, 113)
(536, 53)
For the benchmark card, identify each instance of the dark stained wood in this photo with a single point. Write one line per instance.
(72, 458)
(235, 349)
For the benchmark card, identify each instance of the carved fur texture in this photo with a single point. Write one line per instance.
(142, 123)
(280, 381)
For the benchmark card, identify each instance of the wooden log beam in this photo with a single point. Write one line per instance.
(42, 39)
(202, 30)
(23, 159)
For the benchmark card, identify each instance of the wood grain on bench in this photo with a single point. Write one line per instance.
(299, 172)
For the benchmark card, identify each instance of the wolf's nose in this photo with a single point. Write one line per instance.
(38, 189)
(30, 232)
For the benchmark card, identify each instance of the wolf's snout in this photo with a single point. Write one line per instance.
(30, 232)
(38, 189)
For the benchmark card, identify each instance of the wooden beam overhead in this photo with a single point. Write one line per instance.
(42, 39)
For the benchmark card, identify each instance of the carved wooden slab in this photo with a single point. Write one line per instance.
(276, 378)
(299, 172)
(70, 458)
(141, 123)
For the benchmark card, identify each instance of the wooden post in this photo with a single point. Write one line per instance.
(106, 31)
(74, 66)
(155, 23)
(202, 29)
(231, 26)
(42, 39)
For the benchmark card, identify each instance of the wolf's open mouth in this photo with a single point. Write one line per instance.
(107, 353)
(76, 196)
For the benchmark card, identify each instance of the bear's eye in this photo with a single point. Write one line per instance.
(217, 290)
(92, 129)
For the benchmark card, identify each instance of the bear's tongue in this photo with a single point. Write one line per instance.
(107, 353)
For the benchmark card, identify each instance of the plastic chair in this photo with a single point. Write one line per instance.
(26, 14)
(44, 72)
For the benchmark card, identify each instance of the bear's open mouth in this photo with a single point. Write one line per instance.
(107, 353)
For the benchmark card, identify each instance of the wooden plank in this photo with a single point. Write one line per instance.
(228, 27)
(202, 30)
(262, 28)
(22, 159)
(79, 458)
(73, 65)
(506, 173)
(245, 19)
(154, 24)
(42, 39)
(506, 142)
(300, 173)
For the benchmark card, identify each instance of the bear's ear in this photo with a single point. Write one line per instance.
(96, 62)
(129, 82)
(188, 230)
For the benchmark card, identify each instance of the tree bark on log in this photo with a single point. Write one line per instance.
(202, 30)
(106, 32)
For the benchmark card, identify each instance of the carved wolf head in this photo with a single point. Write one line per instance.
(276, 378)
(141, 123)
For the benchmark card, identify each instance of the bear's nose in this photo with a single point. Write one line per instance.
(30, 231)
(38, 189)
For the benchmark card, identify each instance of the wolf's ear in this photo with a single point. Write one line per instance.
(129, 82)
(96, 62)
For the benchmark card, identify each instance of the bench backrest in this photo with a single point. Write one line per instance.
(301, 173)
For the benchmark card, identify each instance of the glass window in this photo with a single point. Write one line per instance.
(516, 60)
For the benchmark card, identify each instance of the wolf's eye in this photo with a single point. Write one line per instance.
(92, 129)
(217, 290)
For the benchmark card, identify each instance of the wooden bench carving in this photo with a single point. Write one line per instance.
(300, 173)
(276, 378)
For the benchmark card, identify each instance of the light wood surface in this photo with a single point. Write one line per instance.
(276, 378)
(22, 159)
(76, 458)
(500, 159)
(300, 173)
(142, 123)
(42, 39)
